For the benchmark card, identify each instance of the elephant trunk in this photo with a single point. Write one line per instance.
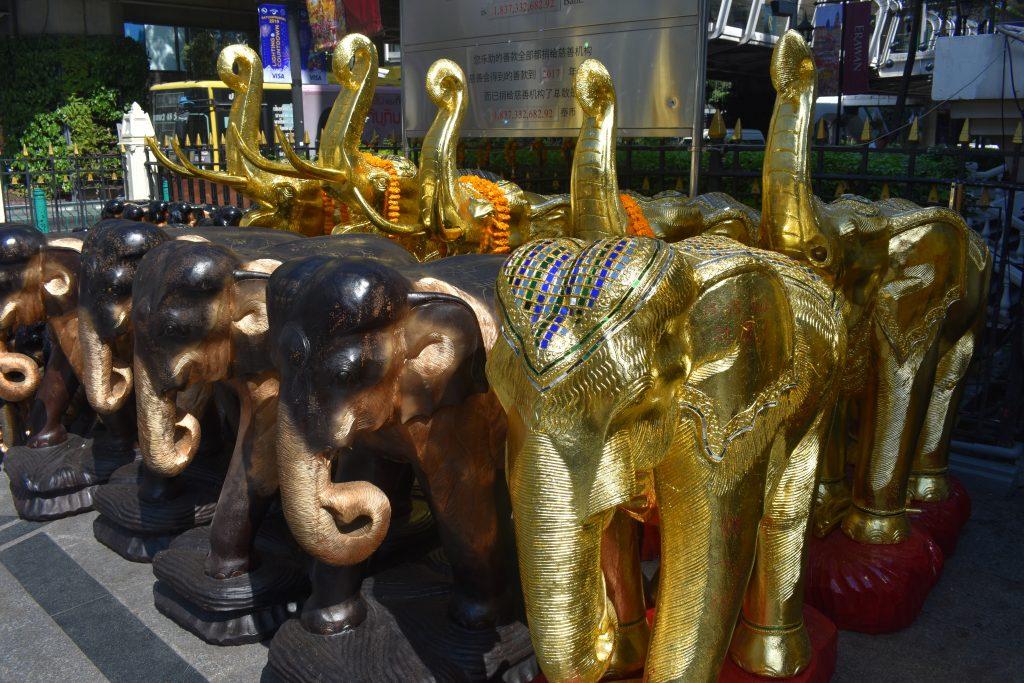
(571, 621)
(594, 184)
(108, 383)
(316, 508)
(788, 219)
(168, 436)
(19, 375)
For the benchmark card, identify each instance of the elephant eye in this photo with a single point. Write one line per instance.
(173, 329)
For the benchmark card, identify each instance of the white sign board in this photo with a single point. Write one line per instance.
(520, 58)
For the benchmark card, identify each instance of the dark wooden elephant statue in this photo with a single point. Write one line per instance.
(199, 317)
(383, 363)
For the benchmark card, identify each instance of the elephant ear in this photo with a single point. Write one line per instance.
(928, 251)
(61, 264)
(445, 355)
(249, 320)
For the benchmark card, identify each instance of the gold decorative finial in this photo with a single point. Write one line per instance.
(263, 138)
(914, 135)
(865, 133)
(737, 131)
(717, 130)
(965, 132)
(305, 138)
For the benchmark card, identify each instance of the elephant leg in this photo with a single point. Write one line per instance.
(928, 478)
(890, 425)
(51, 401)
(336, 604)
(708, 536)
(620, 564)
(248, 489)
(832, 494)
(461, 489)
(10, 425)
(770, 638)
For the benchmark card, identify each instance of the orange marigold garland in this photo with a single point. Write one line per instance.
(394, 190)
(638, 225)
(496, 238)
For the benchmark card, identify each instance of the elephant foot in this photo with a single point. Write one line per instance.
(406, 636)
(757, 653)
(775, 652)
(944, 519)
(930, 487)
(630, 653)
(868, 587)
(333, 619)
(831, 504)
(59, 480)
(137, 527)
(865, 526)
(244, 608)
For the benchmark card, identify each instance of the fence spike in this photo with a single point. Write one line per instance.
(263, 138)
(49, 148)
(737, 131)
(646, 185)
(15, 179)
(167, 141)
(933, 195)
(1018, 135)
(985, 200)
(820, 135)
(124, 150)
(75, 150)
(679, 184)
(965, 132)
(914, 135)
(865, 132)
(24, 150)
(885, 191)
(305, 138)
(89, 177)
(755, 188)
(188, 140)
(113, 176)
(716, 131)
(840, 189)
(555, 184)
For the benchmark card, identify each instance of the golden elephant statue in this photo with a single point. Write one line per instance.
(437, 209)
(702, 374)
(914, 280)
(282, 202)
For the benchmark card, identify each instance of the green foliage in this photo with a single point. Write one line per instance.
(717, 92)
(44, 73)
(88, 122)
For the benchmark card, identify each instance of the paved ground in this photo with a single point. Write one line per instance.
(70, 610)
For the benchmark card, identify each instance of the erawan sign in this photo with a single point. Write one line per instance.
(520, 58)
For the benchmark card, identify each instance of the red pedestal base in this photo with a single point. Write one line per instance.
(824, 639)
(871, 588)
(943, 521)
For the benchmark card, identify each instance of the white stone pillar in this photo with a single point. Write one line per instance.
(136, 126)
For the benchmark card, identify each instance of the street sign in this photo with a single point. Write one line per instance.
(520, 58)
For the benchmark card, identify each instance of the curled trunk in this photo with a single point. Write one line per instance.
(316, 508)
(19, 375)
(107, 382)
(788, 218)
(168, 436)
(571, 621)
(594, 184)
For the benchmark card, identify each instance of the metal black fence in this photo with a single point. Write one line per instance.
(60, 193)
(978, 181)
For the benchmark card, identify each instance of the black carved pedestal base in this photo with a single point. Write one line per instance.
(407, 636)
(136, 527)
(59, 481)
(238, 610)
